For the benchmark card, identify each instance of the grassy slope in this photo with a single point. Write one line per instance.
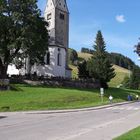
(74, 71)
(41, 98)
(131, 135)
(85, 56)
(120, 72)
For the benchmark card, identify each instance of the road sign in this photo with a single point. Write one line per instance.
(102, 94)
(102, 91)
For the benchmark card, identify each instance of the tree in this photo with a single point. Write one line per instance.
(82, 70)
(99, 65)
(73, 56)
(135, 78)
(23, 33)
(137, 48)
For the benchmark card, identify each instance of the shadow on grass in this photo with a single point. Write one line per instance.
(15, 88)
(133, 91)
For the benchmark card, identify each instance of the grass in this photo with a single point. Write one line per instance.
(121, 73)
(85, 56)
(74, 71)
(131, 135)
(43, 98)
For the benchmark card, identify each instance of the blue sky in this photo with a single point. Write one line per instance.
(119, 21)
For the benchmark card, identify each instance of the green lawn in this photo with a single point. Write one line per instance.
(131, 135)
(41, 98)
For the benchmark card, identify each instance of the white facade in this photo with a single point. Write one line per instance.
(56, 62)
(53, 69)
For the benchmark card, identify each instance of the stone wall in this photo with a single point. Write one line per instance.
(4, 84)
(65, 83)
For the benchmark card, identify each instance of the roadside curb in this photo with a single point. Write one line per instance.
(66, 110)
(78, 110)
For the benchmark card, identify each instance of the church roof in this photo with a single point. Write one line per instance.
(55, 2)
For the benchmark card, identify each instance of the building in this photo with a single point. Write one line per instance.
(56, 58)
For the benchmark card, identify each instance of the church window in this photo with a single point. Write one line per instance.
(48, 58)
(62, 16)
(59, 58)
(49, 16)
(49, 23)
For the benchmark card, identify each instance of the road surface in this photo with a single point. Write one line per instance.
(102, 124)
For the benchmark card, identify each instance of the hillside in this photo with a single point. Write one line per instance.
(85, 56)
(120, 72)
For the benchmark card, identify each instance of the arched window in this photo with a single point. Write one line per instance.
(48, 58)
(59, 59)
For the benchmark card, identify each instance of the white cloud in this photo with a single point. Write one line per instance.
(120, 18)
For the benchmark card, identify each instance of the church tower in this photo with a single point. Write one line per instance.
(56, 59)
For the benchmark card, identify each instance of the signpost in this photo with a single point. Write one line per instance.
(102, 94)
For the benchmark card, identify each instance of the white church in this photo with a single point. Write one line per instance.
(56, 58)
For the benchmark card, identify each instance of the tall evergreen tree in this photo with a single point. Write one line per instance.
(137, 48)
(82, 70)
(135, 78)
(23, 33)
(99, 65)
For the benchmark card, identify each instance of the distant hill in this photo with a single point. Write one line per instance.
(84, 56)
(117, 80)
(115, 58)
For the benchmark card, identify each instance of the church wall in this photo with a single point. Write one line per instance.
(53, 69)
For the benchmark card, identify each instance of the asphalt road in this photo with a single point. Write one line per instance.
(102, 124)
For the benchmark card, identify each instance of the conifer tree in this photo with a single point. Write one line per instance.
(83, 73)
(138, 48)
(135, 78)
(99, 65)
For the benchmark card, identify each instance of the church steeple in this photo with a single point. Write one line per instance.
(57, 15)
(60, 4)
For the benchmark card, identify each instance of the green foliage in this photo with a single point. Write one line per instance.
(121, 60)
(23, 33)
(72, 56)
(134, 81)
(99, 65)
(135, 78)
(82, 70)
(87, 50)
(137, 48)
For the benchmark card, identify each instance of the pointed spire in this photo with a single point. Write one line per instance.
(60, 4)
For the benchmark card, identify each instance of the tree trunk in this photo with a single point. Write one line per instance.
(28, 66)
(3, 71)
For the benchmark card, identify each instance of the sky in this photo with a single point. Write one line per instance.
(119, 21)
